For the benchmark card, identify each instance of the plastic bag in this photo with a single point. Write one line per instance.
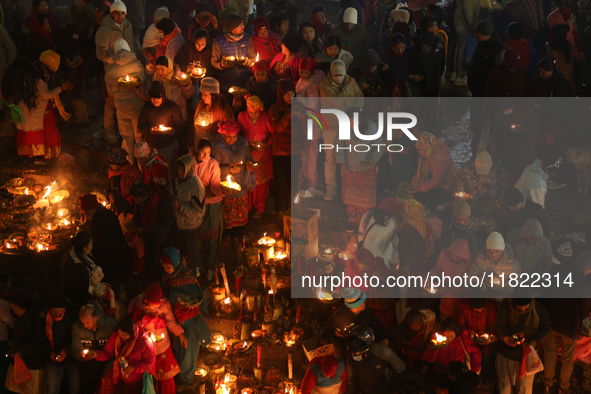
(530, 362)
(21, 372)
(148, 384)
(15, 112)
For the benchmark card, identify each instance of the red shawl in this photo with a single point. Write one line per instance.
(36, 27)
(266, 49)
(166, 40)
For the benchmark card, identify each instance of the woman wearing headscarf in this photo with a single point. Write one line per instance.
(38, 135)
(209, 237)
(285, 64)
(212, 108)
(286, 147)
(172, 38)
(417, 242)
(232, 152)
(256, 127)
(368, 74)
(378, 228)
(436, 172)
(133, 344)
(178, 284)
(264, 42)
(359, 170)
(153, 37)
(178, 91)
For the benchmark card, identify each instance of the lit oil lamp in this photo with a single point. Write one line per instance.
(182, 78)
(241, 346)
(324, 296)
(85, 352)
(267, 247)
(256, 334)
(346, 256)
(227, 306)
(280, 255)
(462, 195)
(439, 341)
(58, 196)
(162, 128)
(198, 72)
(515, 126)
(230, 186)
(63, 213)
(201, 372)
(431, 289)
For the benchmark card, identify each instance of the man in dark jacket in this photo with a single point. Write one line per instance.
(91, 332)
(368, 74)
(110, 250)
(162, 111)
(516, 210)
(461, 226)
(518, 315)
(354, 36)
(431, 51)
(53, 336)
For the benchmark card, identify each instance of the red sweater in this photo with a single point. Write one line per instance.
(142, 357)
(455, 352)
(522, 47)
(480, 322)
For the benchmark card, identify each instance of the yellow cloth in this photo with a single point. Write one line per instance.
(52, 61)
(255, 103)
(426, 141)
(167, 80)
(415, 217)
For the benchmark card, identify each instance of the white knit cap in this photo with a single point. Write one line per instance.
(121, 44)
(483, 163)
(160, 13)
(495, 241)
(350, 15)
(337, 67)
(118, 5)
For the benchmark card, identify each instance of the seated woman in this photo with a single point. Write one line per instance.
(256, 127)
(312, 43)
(212, 106)
(177, 91)
(436, 171)
(404, 67)
(131, 343)
(332, 50)
(79, 272)
(417, 242)
(232, 152)
(285, 64)
(460, 348)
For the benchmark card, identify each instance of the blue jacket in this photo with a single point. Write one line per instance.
(235, 75)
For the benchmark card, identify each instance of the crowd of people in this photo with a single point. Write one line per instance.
(198, 98)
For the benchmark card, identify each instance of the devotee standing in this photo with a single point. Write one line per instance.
(153, 313)
(91, 332)
(122, 175)
(256, 127)
(261, 84)
(354, 36)
(189, 205)
(264, 42)
(209, 238)
(38, 134)
(112, 28)
(212, 106)
(131, 343)
(232, 152)
(179, 283)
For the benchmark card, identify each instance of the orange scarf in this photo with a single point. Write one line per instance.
(121, 354)
(166, 40)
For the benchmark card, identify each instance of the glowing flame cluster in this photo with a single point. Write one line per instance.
(48, 190)
(439, 339)
(280, 255)
(232, 185)
(323, 295)
(164, 128)
(266, 241)
(227, 301)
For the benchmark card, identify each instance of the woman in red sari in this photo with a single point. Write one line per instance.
(256, 127)
(38, 134)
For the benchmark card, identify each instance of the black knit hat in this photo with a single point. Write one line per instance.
(232, 21)
(166, 25)
(156, 90)
(293, 42)
(484, 27)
